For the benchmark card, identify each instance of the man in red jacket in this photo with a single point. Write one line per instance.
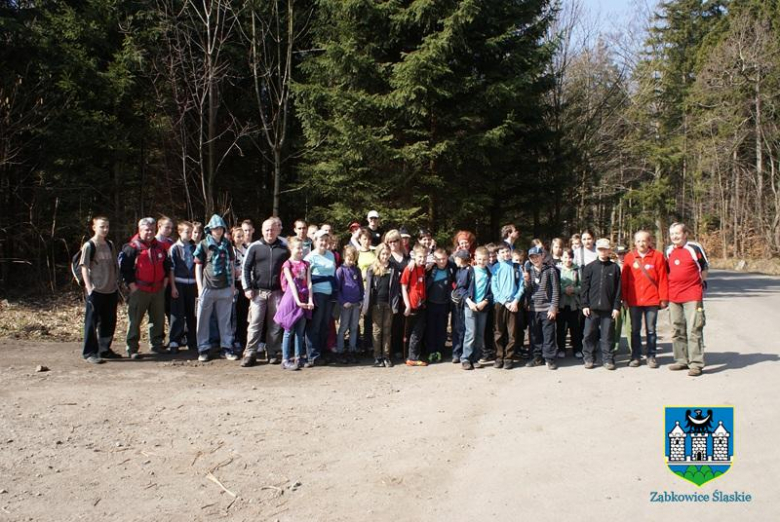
(688, 267)
(645, 290)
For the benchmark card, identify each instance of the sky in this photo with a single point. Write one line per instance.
(609, 13)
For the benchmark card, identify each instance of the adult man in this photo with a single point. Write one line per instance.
(261, 280)
(645, 290)
(510, 234)
(144, 265)
(600, 297)
(164, 232)
(278, 225)
(688, 268)
(242, 303)
(376, 230)
(99, 271)
(301, 233)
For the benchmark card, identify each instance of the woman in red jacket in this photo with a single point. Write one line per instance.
(645, 290)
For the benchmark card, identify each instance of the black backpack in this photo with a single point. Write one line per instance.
(75, 264)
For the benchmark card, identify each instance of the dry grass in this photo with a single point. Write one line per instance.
(756, 266)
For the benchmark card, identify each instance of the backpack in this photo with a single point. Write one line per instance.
(75, 265)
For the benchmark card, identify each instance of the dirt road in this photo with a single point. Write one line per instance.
(170, 440)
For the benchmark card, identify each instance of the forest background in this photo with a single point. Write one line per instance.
(441, 113)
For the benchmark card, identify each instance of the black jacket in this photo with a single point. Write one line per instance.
(369, 298)
(601, 286)
(262, 269)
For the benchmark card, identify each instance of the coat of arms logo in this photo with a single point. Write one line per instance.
(699, 441)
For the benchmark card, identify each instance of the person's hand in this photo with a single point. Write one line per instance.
(174, 292)
(615, 314)
(310, 305)
(89, 289)
(249, 294)
(512, 307)
(527, 277)
(664, 304)
(552, 314)
(569, 290)
(586, 312)
(133, 287)
(407, 312)
(473, 307)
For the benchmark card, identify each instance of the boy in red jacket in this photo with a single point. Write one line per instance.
(645, 291)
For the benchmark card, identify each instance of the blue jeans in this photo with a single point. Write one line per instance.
(650, 313)
(317, 329)
(298, 331)
(348, 320)
(541, 331)
(474, 340)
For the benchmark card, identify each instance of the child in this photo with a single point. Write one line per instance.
(489, 352)
(600, 305)
(462, 279)
(184, 290)
(556, 251)
(519, 258)
(214, 272)
(541, 283)
(366, 258)
(569, 309)
(297, 302)
(438, 283)
(413, 290)
(197, 232)
(382, 297)
(323, 278)
(478, 299)
(624, 319)
(492, 249)
(507, 288)
(349, 282)
(100, 272)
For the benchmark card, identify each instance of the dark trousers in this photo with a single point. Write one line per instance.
(317, 329)
(568, 320)
(436, 326)
(542, 335)
(521, 325)
(241, 317)
(415, 326)
(599, 325)
(458, 329)
(398, 337)
(505, 326)
(650, 314)
(489, 351)
(99, 323)
(183, 314)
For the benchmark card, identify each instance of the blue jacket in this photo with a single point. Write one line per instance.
(507, 282)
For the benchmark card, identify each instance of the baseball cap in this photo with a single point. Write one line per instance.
(603, 244)
(535, 251)
(320, 233)
(373, 214)
(462, 254)
(404, 232)
(620, 249)
(353, 226)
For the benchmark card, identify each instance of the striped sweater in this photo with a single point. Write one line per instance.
(544, 288)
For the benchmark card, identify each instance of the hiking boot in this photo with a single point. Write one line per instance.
(536, 361)
(110, 354)
(694, 372)
(508, 364)
(248, 361)
(499, 363)
(589, 365)
(676, 367)
(158, 350)
(466, 365)
(388, 363)
(94, 359)
(634, 363)
(204, 357)
(609, 365)
(379, 363)
(551, 364)
(652, 363)
(455, 360)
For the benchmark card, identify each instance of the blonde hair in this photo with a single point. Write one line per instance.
(377, 267)
(350, 251)
(293, 241)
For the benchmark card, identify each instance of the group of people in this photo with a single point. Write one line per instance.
(304, 300)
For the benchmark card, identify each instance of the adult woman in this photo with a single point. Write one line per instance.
(323, 277)
(399, 258)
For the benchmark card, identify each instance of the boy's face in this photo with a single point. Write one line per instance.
(517, 257)
(312, 230)
(566, 259)
(165, 229)
(365, 241)
(419, 258)
(603, 254)
(249, 233)
(481, 260)
(217, 233)
(460, 263)
(100, 227)
(504, 254)
(197, 234)
(492, 257)
(440, 260)
(185, 234)
(536, 260)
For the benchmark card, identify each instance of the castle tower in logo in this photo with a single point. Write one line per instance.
(696, 449)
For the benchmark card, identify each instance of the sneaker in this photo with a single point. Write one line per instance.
(435, 357)
(676, 367)
(589, 365)
(561, 354)
(204, 357)
(230, 356)
(248, 361)
(173, 349)
(694, 372)
(110, 354)
(379, 363)
(634, 363)
(410, 362)
(525, 353)
(455, 360)
(551, 364)
(134, 356)
(536, 361)
(94, 359)
(578, 354)
(508, 364)
(609, 365)
(388, 363)
(172, 345)
(466, 365)
(158, 350)
(485, 361)
(499, 363)
(652, 363)
(308, 364)
(289, 365)
(274, 360)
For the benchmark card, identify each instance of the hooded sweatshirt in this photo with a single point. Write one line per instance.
(216, 256)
